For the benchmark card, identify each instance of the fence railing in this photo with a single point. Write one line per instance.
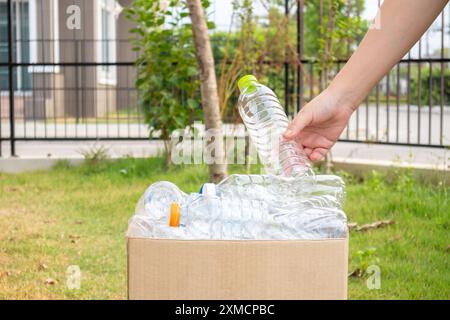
(79, 87)
(410, 106)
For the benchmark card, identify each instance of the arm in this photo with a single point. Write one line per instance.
(320, 123)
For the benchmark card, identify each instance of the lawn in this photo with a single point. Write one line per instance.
(78, 216)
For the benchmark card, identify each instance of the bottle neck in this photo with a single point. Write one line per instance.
(251, 87)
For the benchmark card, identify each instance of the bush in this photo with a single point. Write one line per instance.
(425, 87)
(168, 78)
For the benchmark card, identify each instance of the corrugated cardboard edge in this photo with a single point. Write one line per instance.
(345, 252)
(128, 268)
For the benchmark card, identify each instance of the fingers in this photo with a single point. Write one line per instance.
(318, 154)
(301, 120)
(312, 140)
(308, 151)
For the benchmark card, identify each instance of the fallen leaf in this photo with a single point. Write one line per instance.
(50, 281)
(79, 222)
(4, 274)
(42, 267)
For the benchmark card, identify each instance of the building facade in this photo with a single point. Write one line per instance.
(71, 48)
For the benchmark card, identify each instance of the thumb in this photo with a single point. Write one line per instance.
(301, 120)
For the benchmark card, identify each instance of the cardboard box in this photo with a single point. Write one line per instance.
(229, 270)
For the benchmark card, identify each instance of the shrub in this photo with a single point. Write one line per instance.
(168, 79)
(425, 87)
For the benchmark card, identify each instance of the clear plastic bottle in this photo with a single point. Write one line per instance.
(307, 208)
(166, 212)
(263, 217)
(208, 216)
(153, 212)
(266, 121)
(288, 189)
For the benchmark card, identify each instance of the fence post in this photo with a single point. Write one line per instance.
(11, 80)
(286, 64)
(300, 32)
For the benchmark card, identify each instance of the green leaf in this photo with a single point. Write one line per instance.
(192, 104)
(160, 21)
(206, 4)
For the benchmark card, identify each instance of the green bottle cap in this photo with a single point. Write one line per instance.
(246, 81)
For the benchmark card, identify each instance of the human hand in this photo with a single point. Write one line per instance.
(319, 124)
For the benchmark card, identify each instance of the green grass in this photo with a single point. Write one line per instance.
(78, 216)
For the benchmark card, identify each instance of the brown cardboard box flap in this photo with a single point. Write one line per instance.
(188, 270)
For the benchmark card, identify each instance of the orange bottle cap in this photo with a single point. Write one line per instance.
(175, 212)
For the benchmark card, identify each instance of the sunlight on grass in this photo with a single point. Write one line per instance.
(79, 215)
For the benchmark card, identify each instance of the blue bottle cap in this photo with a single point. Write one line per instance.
(208, 189)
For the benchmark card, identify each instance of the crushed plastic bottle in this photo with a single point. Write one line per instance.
(283, 188)
(266, 121)
(153, 211)
(313, 204)
(166, 212)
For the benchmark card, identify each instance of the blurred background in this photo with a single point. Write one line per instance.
(71, 73)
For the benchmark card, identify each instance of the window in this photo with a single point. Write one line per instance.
(44, 34)
(106, 40)
(20, 46)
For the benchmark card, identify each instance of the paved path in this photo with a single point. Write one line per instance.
(343, 151)
(369, 123)
(363, 124)
(403, 125)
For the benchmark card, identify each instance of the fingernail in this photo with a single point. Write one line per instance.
(288, 132)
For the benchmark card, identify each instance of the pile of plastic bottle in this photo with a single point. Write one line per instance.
(288, 203)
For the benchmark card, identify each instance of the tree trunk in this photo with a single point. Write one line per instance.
(210, 97)
(168, 153)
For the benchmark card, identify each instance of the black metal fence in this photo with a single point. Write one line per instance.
(62, 82)
(411, 104)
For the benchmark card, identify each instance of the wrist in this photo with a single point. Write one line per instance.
(344, 96)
